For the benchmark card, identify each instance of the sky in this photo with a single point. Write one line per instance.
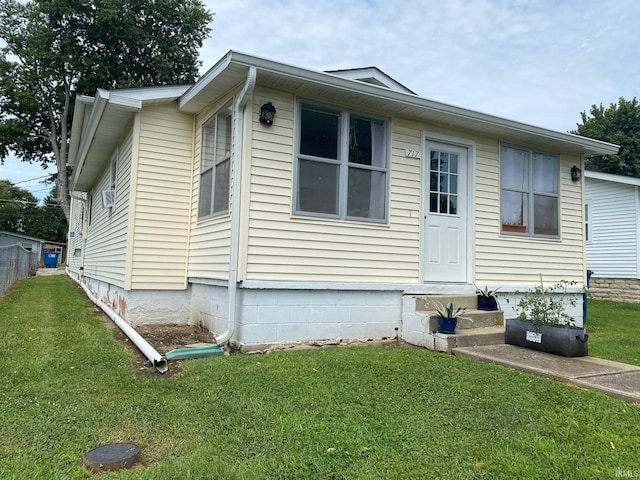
(540, 62)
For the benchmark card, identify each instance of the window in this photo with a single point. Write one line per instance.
(342, 164)
(529, 192)
(215, 169)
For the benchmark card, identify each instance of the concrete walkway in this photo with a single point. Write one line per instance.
(617, 380)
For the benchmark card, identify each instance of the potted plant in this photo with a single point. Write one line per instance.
(487, 299)
(449, 316)
(542, 323)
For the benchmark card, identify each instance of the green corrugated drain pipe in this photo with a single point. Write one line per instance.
(195, 352)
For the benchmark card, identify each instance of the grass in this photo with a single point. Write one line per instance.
(614, 331)
(348, 413)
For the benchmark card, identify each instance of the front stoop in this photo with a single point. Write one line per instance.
(420, 323)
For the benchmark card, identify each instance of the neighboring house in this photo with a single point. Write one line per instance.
(36, 245)
(612, 213)
(28, 243)
(325, 223)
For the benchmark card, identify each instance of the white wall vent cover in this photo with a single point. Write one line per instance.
(108, 198)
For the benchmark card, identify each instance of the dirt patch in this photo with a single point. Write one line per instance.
(163, 338)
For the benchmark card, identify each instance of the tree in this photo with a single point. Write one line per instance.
(16, 206)
(619, 124)
(48, 221)
(56, 49)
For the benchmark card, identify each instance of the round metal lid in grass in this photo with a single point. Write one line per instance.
(112, 457)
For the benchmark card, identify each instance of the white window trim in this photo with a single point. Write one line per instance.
(342, 162)
(531, 193)
(212, 213)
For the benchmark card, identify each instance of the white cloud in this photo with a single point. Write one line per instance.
(540, 62)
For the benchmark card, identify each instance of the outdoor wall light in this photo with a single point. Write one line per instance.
(267, 112)
(576, 174)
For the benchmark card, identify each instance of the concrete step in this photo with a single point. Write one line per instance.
(472, 319)
(426, 303)
(473, 337)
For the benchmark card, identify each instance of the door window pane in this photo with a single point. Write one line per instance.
(443, 183)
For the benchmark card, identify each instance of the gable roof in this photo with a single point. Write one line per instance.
(372, 75)
(100, 121)
(4, 233)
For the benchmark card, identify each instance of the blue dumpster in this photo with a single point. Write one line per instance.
(51, 259)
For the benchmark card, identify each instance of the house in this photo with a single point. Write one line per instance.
(28, 243)
(271, 203)
(612, 213)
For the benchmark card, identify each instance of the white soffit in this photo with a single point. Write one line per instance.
(610, 177)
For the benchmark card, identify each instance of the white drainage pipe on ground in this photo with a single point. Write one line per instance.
(157, 360)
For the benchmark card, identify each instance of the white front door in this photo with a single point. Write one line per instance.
(444, 228)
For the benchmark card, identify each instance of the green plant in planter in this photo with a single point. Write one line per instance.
(487, 299)
(542, 323)
(546, 305)
(449, 316)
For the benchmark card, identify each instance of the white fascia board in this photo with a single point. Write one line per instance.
(99, 104)
(82, 103)
(610, 177)
(147, 95)
(205, 80)
(332, 81)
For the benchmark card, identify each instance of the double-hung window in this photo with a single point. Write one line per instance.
(342, 164)
(216, 163)
(529, 192)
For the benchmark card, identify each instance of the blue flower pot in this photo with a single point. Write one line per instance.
(447, 325)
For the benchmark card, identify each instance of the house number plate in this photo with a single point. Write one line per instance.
(534, 337)
(412, 153)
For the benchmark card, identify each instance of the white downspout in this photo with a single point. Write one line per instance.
(157, 360)
(238, 121)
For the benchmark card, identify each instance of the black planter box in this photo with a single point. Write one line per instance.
(568, 342)
(487, 303)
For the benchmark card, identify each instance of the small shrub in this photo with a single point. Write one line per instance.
(546, 306)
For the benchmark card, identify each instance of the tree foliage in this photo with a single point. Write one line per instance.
(21, 213)
(620, 124)
(56, 49)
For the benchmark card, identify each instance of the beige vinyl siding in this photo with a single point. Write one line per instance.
(210, 236)
(106, 245)
(162, 199)
(297, 248)
(511, 260)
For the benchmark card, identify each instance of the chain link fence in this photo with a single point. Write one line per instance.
(15, 263)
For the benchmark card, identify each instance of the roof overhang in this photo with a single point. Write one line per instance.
(610, 177)
(232, 69)
(99, 122)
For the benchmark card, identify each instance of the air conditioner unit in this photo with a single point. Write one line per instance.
(108, 198)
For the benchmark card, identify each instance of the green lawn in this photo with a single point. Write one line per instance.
(614, 332)
(348, 413)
